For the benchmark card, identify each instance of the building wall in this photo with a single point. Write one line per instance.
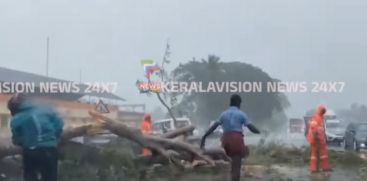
(132, 119)
(74, 113)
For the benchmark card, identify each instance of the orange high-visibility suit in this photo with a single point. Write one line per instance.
(317, 138)
(146, 128)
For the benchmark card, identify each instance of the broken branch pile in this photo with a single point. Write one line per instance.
(166, 146)
(160, 144)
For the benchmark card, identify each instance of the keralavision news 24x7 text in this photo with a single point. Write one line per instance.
(251, 87)
(58, 87)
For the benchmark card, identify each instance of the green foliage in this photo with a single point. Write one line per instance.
(278, 153)
(207, 106)
(346, 159)
(117, 166)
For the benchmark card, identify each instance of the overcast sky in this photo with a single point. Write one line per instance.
(298, 40)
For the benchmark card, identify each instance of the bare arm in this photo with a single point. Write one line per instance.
(210, 131)
(249, 125)
(253, 129)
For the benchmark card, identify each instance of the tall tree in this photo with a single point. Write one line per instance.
(356, 113)
(205, 107)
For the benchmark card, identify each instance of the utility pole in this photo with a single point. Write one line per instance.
(47, 54)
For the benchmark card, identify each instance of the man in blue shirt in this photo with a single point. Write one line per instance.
(37, 130)
(232, 121)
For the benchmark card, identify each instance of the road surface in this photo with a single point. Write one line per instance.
(297, 140)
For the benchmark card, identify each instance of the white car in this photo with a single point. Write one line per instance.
(164, 125)
(334, 131)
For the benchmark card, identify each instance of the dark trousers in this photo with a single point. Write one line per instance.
(40, 164)
(236, 168)
(235, 148)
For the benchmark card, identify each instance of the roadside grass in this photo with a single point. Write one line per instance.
(117, 162)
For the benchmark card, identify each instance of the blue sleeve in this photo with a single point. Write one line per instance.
(245, 119)
(58, 124)
(16, 132)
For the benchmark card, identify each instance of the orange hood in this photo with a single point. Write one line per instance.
(147, 118)
(319, 116)
(321, 110)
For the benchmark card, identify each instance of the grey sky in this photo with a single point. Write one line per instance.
(290, 39)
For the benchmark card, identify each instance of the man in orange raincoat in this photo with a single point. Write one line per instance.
(146, 129)
(317, 138)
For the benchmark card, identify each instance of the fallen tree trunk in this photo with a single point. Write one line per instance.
(77, 131)
(132, 134)
(178, 132)
(155, 143)
(8, 150)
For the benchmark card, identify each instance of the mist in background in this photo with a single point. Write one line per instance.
(305, 40)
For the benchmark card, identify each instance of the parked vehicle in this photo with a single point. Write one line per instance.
(295, 125)
(334, 128)
(335, 131)
(165, 125)
(356, 136)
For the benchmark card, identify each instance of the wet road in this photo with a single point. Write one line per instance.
(297, 140)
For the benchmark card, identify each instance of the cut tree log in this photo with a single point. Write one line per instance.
(155, 143)
(8, 150)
